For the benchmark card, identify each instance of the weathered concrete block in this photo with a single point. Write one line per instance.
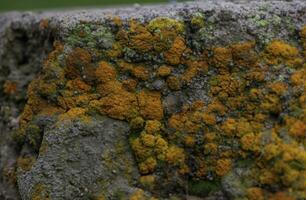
(182, 101)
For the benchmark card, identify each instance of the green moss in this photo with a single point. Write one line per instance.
(202, 188)
(120, 195)
(197, 20)
(92, 36)
(19, 136)
(33, 133)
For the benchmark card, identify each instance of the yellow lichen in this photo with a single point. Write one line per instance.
(147, 181)
(164, 23)
(74, 113)
(137, 123)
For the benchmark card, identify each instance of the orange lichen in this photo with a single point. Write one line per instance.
(150, 106)
(189, 141)
(77, 85)
(26, 162)
(280, 196)
(298, 128)
(251, 112)
(149, 148)
(225, 86)
(229, 127)
(173, 56)
(181, 122)
(244, 54)
(223, 166)
(194, 68)
(175, 155)
(278, 52)
(147, 166)
(139, 194)
(9, 87)
(36, 105)
(251, 142)
(164, 71)
(255, 193)
(141, 39)
(105, 72)
(222, 58)
(40, 192)
(44, 23)
(77, 60)
(153, 126)
(267, 177)
(120, 105)
(129, 84)
(173, 83)
(117, 20)
(216, 107)
(271, 103)
(141, 73)
(209, 119)
(210, 148)
(278, 87)
(298, 77)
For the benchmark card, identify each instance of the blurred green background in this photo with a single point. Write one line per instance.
(10, 5)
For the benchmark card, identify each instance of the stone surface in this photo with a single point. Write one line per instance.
(85, 160)
(79, 155)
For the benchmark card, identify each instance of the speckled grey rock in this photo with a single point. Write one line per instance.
(79, 158)
(25, 41)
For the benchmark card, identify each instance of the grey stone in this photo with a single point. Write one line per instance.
(79, 158)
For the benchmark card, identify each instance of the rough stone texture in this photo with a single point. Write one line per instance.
(79, 155)
(24, 44)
